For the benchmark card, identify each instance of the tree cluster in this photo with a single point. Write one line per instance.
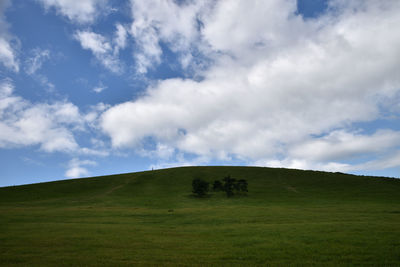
(229, 185)
(200, 187)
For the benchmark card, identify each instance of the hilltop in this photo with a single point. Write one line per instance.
(151, 218)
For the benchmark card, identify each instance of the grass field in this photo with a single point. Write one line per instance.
(289, 217)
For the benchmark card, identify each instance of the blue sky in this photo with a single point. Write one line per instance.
(97, 87)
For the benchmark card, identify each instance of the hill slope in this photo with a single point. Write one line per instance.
(288, 216)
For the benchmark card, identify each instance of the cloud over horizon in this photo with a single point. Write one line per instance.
(277, 82)
(175, 83)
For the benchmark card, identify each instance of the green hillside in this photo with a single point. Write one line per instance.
(288, 217)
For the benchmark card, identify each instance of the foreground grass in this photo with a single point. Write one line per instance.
(288, 217)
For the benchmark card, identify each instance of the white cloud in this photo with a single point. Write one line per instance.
(103, 49)
(51, 126)
(180, 161)
(120, 38)
(48, 125)
(304, 164)
(92, 116)
(161, 151)
(170, 22)
(248, 25)
(277, 81)
(75, 169)
(8, 55)
(99, 88)
(388, 161)
(93, 41)
(329, 152)
(341, 145)
(94, 152)
(35, 62)
(8, 44)
(82, 11)
(44, 81)
(33, 65)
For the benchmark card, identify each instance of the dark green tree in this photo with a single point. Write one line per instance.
(200, 187)
(217, 186)
(242, 185)
(229, 185)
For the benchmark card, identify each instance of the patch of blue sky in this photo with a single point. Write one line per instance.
(120, 163)
(73, 70)
(388, 172)
(106, 23)
(25, 165)
(310, 9)
(371, 127)
(169, 68)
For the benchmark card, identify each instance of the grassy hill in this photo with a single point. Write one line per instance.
(150, 218)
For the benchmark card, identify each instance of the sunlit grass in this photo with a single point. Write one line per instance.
(288, 217)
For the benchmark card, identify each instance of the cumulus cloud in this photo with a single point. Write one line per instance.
(93, 41)
(277, 82)
(8, 43)
(100, 48)
(48, 125)
(161, 151)
(330, 152)
(76, 169)
(95, 111)
(169, 22)
(251, 25)
(8, 55)
(51, 126)
(83, 11)
(104, 49)
(342, 145)
(388, 161)
(120, 38)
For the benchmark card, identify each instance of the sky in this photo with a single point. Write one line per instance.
(97, 87)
